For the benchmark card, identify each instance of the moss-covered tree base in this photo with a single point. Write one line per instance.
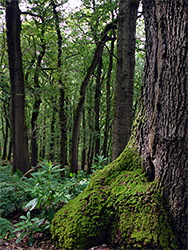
(119, 207)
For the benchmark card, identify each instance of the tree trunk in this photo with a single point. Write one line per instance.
(20, 149)
(79, 107)
(83, 159)
(160, 136)
(107, 123)
(62, 115)
(52, 132)
(5, 140)
(37, 102)
(163, 138)
(123, 100)
(97, 108)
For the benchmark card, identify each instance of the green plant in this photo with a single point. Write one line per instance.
(100, 162)
(6, 226)
(29, 226)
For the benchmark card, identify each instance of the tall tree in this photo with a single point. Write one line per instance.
(20, 149)
(163, 137)
(79, 107)
(62, 115)
(37, 101)
(160, 140)
(123, 100)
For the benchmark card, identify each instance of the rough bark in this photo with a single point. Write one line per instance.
(123, 99)
(20, 149)
(79, 107)
(163, 138)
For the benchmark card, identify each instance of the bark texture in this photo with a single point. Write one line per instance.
(163, 138)
(123, 101)
(20, 149)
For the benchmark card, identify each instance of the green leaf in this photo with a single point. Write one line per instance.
(23, 218)
(32, 204)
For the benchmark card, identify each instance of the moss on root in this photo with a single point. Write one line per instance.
(119, 207)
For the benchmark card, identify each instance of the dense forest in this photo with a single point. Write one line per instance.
(94, 115)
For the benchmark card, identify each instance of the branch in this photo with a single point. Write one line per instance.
(111, 51)
(31, 14)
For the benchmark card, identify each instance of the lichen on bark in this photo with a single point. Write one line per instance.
(119, 207)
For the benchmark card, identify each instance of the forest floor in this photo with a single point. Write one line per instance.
(41, 242)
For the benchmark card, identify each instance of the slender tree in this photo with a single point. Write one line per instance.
(123, 100)
(20, 149)
(38, 100)
(79, 107)
(62, 113)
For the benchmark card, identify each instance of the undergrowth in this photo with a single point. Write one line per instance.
(37, 197)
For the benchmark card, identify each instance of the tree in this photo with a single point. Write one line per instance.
(37, 101)
(163, 136)
(20, 149)
(123, 99)
(62, 115)
(158, 145)
(79, 107)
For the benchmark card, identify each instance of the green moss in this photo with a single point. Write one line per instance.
(119, 207)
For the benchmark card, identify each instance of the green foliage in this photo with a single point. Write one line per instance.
(12, 193)
(49, 193)
(28, 226)
(100, 162)
(6, 227)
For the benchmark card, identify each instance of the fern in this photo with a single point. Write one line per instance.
(5, 227)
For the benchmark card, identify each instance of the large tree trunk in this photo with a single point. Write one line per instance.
(123, 99)
(160, 136)
(164, 139)
(20, 149)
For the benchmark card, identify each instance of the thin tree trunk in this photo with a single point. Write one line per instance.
(83, 160)
(52, 142)
(123, 99)
(62, 115)
(96, 108)
(20, 147)
(36, 106)
(5, 140)
(10, 150)
(79, 107)
(107, 123)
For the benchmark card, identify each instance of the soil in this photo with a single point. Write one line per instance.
(40, 243)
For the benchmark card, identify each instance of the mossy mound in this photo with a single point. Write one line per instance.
(119, 207)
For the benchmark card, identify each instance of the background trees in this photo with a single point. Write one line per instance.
(57, 48)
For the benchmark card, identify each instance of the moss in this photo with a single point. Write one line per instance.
(119, 207)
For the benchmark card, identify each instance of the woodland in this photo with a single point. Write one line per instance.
(93, 124)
